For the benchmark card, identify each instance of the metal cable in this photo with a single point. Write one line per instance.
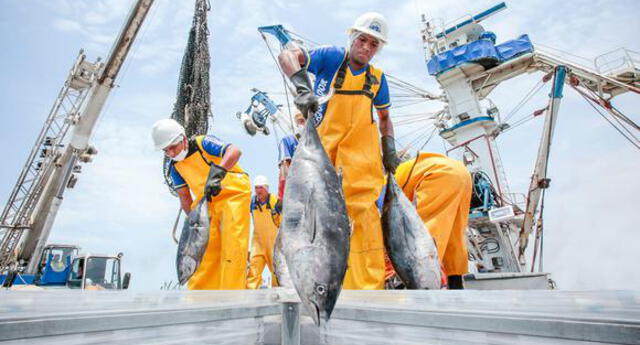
(590, 101)
(637, 145)
(534, 90)
(625, 118)
(418, 157)
(615, 114)
(284, 80)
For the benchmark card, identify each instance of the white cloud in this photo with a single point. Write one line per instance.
(66, 25)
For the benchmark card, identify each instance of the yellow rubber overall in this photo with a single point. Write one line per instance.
(441, 187)
(265, 228)
(351, 138)
(224, 265)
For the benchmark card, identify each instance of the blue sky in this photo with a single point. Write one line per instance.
(121, 204)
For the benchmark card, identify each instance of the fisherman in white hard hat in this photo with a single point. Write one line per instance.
(266, 220)
(349, 132)
(207, 167)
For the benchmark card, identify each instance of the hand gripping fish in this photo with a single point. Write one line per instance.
(193, 241)
(315, 229)
(409, 245)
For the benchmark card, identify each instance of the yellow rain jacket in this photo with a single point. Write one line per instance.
(265, 227)
(224, 265)
(351, 138)
(441, 188)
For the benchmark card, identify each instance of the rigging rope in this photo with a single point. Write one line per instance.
(633, 139)
(526, 119)
(433, 131)
(624, 117)
(416, 140)
(534, 90)
(192, 108)
(284, 80)
(616, 114)
(411, 132)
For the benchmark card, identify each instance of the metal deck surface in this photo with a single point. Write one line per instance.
(361, 317)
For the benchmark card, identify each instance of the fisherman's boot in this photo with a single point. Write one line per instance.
(454, 282)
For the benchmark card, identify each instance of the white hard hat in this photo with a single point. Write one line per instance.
(260, 181)
(165, 132)
(371, 23)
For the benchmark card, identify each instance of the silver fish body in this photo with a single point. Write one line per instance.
(280, 264)
(410, 247)
(315, 228)
(193, 241)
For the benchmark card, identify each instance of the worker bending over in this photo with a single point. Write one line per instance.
(349, 133)
(266, 220)
(206, 167)
(441, 189)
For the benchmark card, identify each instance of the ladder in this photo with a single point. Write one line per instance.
(23, 200)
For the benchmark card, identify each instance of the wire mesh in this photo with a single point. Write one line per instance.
(192, 108)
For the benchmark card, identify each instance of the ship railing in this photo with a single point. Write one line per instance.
(621, 59)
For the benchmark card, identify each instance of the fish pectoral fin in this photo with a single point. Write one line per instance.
(312, 225)
(309, 222)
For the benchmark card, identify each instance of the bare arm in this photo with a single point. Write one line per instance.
(385, 125)
(185, 199)
(231, 157)
(291, 60)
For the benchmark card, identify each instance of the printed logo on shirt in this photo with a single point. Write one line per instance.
(321, 90)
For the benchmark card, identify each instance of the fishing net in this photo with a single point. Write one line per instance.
(192, 108)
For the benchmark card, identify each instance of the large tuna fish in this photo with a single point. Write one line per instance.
(409, 245)
(280, 264)
(315, 227)
(193, 241)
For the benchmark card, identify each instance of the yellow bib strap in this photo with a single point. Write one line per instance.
(370, 79)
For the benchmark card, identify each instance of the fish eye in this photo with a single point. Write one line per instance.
(321, 289)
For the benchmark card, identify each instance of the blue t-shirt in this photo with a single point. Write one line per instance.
(286, 148)
(324, 63)
(212, 145)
